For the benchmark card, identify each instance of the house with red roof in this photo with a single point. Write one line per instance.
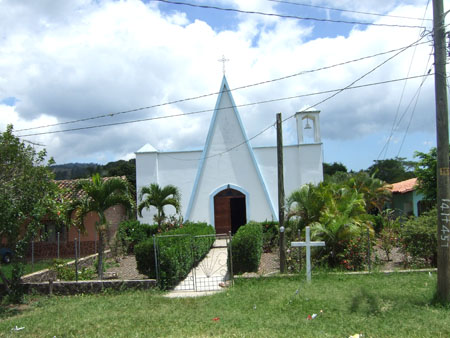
(52, 233)
(406, 200)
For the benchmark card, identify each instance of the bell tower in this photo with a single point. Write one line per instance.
(308, 120)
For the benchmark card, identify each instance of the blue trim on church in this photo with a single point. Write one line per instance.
(225, 88)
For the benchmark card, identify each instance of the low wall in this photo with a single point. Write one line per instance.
(46, 275)
(87, 287)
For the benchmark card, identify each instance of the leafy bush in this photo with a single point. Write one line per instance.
(67, 272)
(354, 253)
(246, 247)
(132, 232)
(419, 239)
(178, 251)
(270, 235)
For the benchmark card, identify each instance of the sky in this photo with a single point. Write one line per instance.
(101, 61)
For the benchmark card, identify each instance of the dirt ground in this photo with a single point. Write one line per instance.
(270, 263)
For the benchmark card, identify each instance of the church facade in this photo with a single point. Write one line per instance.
(229, 182)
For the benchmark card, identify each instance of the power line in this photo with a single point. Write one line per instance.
(347, 10)
(237, 106)
(216, 93)
(316, 104)
(386, 146)
(285, 16)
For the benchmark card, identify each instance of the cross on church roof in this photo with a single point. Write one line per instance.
(223, 60)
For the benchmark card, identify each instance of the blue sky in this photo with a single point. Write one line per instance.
(79, 59)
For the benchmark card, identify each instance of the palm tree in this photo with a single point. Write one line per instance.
(375, 191)
(341, 219)
(99, 195)
(306, 204)
(153, 195)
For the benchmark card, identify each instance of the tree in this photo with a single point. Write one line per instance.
(392, 170)
(306, 204)
(99, 195)
(426, 171)
(375, 191)
(27, 194)
(331, 169)
(153, 195)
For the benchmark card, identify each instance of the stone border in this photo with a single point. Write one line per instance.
(47, 274)
(44, 281)
(87, 287)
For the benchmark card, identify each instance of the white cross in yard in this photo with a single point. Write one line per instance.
(308, 244)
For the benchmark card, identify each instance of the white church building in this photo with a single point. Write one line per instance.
(229, 182)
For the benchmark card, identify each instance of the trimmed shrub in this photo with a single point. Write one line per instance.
(178, 251)
(419, 239)
(132, 232)
(246, 247)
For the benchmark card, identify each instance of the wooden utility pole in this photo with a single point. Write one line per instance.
(281, 193)
(443, 172)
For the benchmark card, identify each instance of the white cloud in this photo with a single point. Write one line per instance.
(85, 58)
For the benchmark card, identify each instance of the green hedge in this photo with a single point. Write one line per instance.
(132, 232)
(246, 247)
(178, 251)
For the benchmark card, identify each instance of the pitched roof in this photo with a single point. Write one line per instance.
(70, 186)
(404, 186)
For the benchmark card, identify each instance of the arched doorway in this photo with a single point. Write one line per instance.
(229, 211)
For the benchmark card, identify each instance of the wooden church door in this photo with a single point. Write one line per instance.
(229, 211)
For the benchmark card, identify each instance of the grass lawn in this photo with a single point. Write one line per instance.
(377, 305)
(38, 265)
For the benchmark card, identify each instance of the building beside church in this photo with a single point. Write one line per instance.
(229, 182)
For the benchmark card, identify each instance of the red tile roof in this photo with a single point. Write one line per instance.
(404, 186)
(71, 186)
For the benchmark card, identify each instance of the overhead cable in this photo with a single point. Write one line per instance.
(286, 16)
(216, 93)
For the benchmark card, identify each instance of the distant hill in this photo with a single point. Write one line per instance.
(70, 171)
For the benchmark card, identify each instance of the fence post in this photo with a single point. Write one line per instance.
(368, 247)
(32, 254)
(282, 252)
(156, 259)
(76, 261)
(299, 252)
(57, 247)
(230, 253)
(79, 244)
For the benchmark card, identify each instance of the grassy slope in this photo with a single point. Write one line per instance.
(396, 305)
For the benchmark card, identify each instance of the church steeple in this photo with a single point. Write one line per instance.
(228, 158)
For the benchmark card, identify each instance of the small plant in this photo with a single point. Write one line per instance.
(389, 232)
(354, 253)
(67, 272)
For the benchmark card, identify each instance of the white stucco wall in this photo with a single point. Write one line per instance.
(176, 168)
(251, 171)
(236, 167)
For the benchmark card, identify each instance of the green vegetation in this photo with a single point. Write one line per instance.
(71, 171)
(178, 251)
(99, 196)
(155, 196)
(376, 305)
(246, 246)
(30, 268)
(132, 232)
(426, 171)
(418, 238)
(392, 170)
(27, 195)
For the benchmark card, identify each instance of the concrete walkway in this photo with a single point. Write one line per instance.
(209, 277)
